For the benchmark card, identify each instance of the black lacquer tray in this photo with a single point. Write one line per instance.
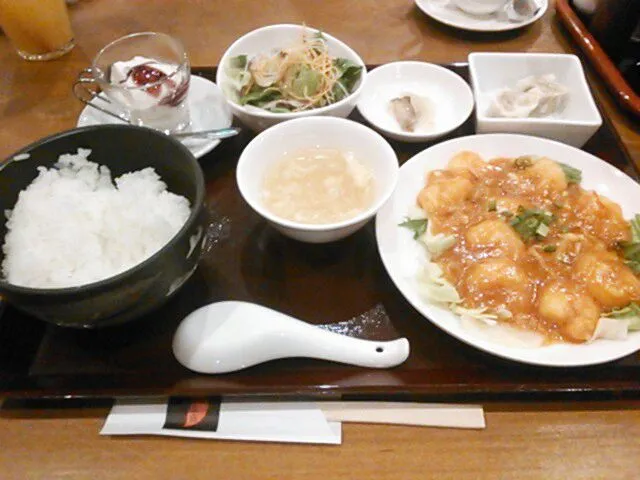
(343, 284)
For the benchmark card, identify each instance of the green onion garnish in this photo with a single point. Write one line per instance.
(523, 162)
(573, 175)
(531, 223)
(635, 229)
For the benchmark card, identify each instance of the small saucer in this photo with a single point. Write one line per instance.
(446, 98)
(207, 107)
(445, 12)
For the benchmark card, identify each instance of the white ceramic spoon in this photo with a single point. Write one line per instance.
(228, 336)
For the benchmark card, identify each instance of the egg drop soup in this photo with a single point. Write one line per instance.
(318, 186)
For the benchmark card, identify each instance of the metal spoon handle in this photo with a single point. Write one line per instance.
(90, 98)
(218, 133)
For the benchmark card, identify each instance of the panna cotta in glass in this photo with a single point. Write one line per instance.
(152, 92)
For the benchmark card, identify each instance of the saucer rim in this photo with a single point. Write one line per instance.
(423, 5)
(198, 151)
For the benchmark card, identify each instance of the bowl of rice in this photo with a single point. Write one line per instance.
(101, 224)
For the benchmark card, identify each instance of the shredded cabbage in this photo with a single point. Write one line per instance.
(434, 287)
(630, 313)
(480, 314)
(502, 333)
(611, 329)
(436, 244)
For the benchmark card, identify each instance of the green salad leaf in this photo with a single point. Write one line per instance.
(292, 79)
(238, 75)
(239, 62)
(260, 96)
(303, 81)
(349, 74)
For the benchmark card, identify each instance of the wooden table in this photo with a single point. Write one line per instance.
(521, 440)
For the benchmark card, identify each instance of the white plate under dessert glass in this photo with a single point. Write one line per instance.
(208, 110)
(445, 11)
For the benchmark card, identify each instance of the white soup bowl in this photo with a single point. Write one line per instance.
(272, 145)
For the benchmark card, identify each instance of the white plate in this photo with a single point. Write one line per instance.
(445, 12)
(207, 107)
(400, 252)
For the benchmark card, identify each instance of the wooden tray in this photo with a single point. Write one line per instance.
(342, 284)
(616, 83)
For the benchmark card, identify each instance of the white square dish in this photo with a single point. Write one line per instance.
(574, 124)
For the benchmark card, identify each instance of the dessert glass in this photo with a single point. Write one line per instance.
(142, 78)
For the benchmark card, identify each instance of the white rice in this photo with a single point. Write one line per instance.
(72, 226)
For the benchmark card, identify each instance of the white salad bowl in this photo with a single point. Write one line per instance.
(448, 99)
(574, 124)
(272, 145)
(268, 40)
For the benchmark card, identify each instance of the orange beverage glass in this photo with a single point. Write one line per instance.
(38, 29)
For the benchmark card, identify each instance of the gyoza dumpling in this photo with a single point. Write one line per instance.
(533, 96)
(551, 94)
(514, 104)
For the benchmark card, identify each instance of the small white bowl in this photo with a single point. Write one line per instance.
(270, 146)
(449, 98)
(491, 72)
(270, 39)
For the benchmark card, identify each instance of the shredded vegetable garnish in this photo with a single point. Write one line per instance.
(631, 310)
(631, 313)
(300, 77)
(631, 250)
(417, 225)
(436, 243)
